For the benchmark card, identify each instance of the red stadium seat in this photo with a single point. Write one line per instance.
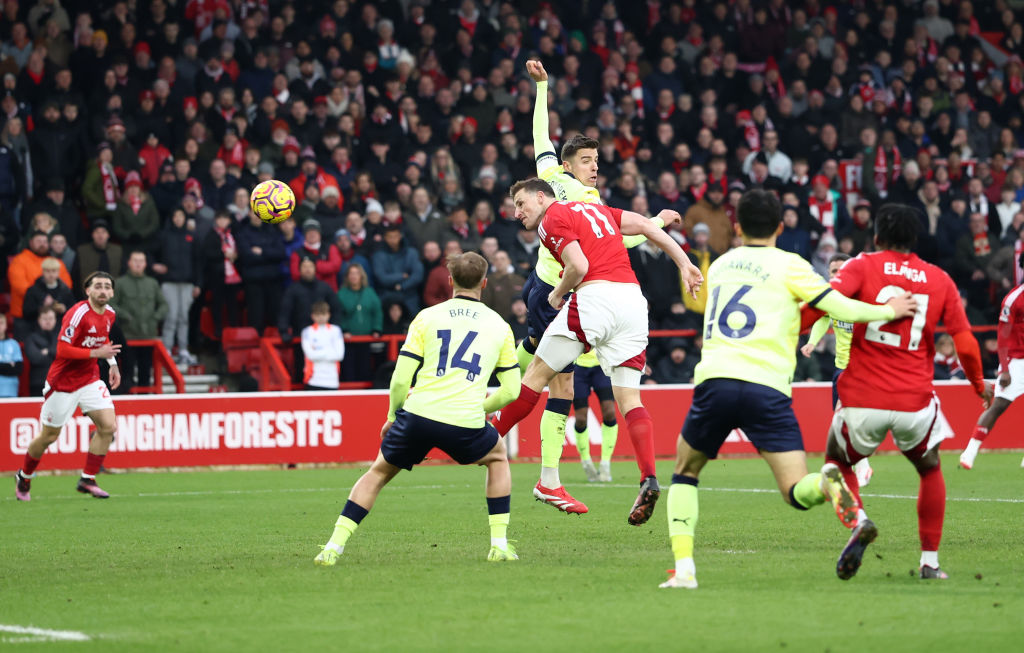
(241, 346)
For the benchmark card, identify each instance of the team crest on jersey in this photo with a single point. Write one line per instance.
(69, 332)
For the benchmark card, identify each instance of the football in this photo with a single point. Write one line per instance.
(272, 201)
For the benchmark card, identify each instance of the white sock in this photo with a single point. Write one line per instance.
(930, 559)
(606, 465)
(549, 478)
(334, 547)
(861, 515)
(500, 542)
(685, 568)
(91, 477)
(973, 447)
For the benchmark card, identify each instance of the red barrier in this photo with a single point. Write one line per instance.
(306, 427)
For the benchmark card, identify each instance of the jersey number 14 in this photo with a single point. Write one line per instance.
(472, 366)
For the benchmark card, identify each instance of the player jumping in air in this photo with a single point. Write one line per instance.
(607, 312)
(1011, 366)
(451, 351)
(575, 179)
(588, 376)
(888, 384)
(744, 379)
(844, 334)
(74, 381)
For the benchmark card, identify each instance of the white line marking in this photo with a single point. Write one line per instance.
(43, 633)
(308, 490)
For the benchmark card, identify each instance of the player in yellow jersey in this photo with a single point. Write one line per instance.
(450, 353)
(574, 179)
(745, 376)
(588, 376)
(844, 337)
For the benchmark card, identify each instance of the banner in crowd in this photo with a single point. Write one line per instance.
(301, 427)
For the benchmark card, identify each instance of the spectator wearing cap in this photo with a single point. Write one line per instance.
(422, 222)
(307, 207)
(98, 254)
(678, 366)
(169, 189)
(328, 211)
(397, 271)
(56, 204)
(148, 120)
(53, 154)
(288, 167)
(827, 247)
(152, 155)
(711, 211)
(136, 220)
(324, 254)
(260, 254)
(26, 267)
(125, 156)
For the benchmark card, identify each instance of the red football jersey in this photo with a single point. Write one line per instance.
(597, 228)
(81, 327)
(892, 364)
(1012, 315)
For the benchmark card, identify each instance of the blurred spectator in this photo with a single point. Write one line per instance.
(26, 267)
(974, 250)
(49, 290)
(56, 203)
(323, 350)
(823, 253)
(349, 255)
(711, 211)
(59, 249)
(658, 277)
(794, 238)
(518, 321)
(361, 315)
(397, 271)
(504, 286)
(297, 307)
(41, 349)
(437, 288)
(260, 253)
(140, 307)
(10, 361)
(178, 265)
(99, 254)
(422, 222)
(100, 187)
(325, 255)
(461, 231)
(219, 273)
(702, 255)
(677, 367)
(136, 220)
(947, 365)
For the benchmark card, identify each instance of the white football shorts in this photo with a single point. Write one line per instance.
(58, 407)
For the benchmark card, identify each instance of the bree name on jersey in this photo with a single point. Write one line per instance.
(903, 270)
(463, 312)
(754, 269)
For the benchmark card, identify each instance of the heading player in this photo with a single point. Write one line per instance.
(74, 381)
(745, 376)
(1010, 385)
(887, 357)
(450, 353)
(844, 334)
(574, 179)
(607, 312)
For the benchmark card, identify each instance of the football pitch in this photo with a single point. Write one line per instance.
(222, 561)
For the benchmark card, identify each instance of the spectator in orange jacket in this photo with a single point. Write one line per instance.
(26, 267)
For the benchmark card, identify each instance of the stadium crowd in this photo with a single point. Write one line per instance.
(132, 132)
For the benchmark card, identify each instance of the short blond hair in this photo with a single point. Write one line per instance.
(50, 263)
(468, 270)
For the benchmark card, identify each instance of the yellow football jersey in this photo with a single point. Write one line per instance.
(752, 322)
(588, 359)
(844, 338)
(459, 344)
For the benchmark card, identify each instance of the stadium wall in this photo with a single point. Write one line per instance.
(304, 427)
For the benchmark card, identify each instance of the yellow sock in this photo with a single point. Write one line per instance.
(682, 546)
(683, 510)
(499, 528)
(343, 530)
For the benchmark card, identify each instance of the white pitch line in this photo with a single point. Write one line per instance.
(48, 635)
(753, 490)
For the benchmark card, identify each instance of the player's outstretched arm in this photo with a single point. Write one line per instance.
(576, 266)
(507, 392)
(543, 148)
(969, 353)
(843, 308)
(632, 241)
(634, 223)
(401, 381)
(818, 331)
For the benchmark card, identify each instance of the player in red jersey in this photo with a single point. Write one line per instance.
(607, 312)
(74, 380)
(888, 383)
(1011, 370)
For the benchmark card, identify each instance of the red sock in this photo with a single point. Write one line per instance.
(92, 464)
(513, 413)
(931, 508)
(980, 433)
(641, 434)
(850, 477)
(28, 467)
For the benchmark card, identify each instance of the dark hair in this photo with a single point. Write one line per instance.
(759, 213)
(897, 226)
(99, 274)
(468, 270)
(531, 185)
(320, 308)
(839, 257)
(577, 143)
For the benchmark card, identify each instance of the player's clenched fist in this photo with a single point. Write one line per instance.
(905, 305)
(555, 300)
(668, 216)
(536, 71)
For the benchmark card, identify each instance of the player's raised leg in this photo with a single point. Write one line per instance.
(360, 501)
(865, 531)
(985, 423)
(98, 446)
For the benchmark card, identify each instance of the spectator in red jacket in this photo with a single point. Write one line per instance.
(326, 256)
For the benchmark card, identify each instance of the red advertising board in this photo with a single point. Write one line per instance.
(302, 427)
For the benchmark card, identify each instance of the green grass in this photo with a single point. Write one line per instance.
(223, 562)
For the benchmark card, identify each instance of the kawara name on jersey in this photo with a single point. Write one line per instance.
(912, 274)
(753, 269)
